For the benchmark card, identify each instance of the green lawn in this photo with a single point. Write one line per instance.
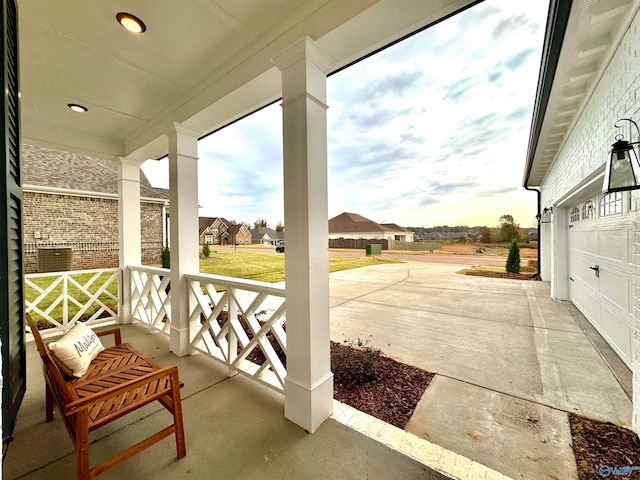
(267, 267)
(32, 293)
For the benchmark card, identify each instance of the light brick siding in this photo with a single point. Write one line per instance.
(89, 226)
(617, 95)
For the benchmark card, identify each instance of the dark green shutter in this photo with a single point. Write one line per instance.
(11, 271)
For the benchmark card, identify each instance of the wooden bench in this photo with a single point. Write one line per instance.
(119, 380)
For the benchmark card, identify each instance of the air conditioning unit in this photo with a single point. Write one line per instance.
(55, 259)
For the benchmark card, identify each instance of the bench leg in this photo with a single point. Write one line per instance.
(177, 416)
(82, 445)
(48, 403)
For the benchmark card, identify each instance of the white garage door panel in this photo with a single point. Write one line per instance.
(614, 244)
(617, 333)
(615, 287)
(591, 307)
(589, 242)
(606, 300)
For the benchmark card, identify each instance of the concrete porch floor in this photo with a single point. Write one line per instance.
(234, 429)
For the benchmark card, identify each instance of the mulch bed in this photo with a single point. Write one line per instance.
(601, 447)
(509, 276)
(391, 395)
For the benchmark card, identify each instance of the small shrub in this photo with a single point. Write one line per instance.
(513, 260)
(205, 250)
(357, 365)
(166, 257)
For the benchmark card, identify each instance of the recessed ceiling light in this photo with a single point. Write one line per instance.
(77, 108)
(131, 22)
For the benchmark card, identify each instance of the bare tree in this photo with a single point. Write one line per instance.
(260, 222)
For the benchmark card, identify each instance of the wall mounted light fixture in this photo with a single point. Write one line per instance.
(623, 167)
(546, 215)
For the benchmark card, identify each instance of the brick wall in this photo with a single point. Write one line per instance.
(89, 226)
(585, 150)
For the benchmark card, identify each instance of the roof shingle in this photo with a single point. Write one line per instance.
(44, 167)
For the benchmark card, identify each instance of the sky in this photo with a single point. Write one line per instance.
(431, 131)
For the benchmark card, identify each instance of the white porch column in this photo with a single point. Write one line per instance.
(309, 381)
(129, 227)
(183, 201)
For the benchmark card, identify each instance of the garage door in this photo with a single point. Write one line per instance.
(600, 269)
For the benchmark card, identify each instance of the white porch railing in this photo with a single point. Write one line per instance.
(63, 298)
(151, 297)
(242, 327)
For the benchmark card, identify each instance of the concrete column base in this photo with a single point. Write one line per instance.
(308, 407)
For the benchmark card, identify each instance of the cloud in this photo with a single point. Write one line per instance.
(507, 26)
(417, 133)
(516, 61)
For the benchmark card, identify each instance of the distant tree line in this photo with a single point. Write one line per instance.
(506, 231)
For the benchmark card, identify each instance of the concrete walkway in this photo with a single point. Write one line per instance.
(511, 363)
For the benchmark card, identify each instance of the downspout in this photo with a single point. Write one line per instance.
(539, 217)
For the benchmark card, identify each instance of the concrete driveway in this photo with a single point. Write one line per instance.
(511, 363)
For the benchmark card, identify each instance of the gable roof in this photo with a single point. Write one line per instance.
(352, 222)
(234, 228)
(259, 232)
(395, 227)
(204, 223)
(47, 168)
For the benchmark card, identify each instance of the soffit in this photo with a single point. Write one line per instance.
(593, 33)
(202, 63)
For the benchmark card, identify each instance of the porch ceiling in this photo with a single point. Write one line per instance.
(567, 79)
(202, 63)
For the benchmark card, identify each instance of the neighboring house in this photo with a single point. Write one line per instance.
(220, 231)
(71, 200)
(266, 236)
(399, 233)
(240, 235)
(589, 245)
(352, 225)
(206, 233)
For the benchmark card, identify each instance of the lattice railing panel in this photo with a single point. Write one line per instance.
(240, 323)
(151, 296)
(63, 298)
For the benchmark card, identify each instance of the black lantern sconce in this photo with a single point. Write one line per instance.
(546, 215)
(623, 166)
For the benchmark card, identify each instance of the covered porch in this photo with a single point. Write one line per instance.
(234, 429)
(90, 86)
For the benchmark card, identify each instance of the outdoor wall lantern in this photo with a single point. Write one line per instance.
(623, 167)
(546, 215)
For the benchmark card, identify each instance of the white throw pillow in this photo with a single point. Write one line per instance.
(77, 348)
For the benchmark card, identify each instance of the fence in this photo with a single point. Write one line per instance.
(361, 244)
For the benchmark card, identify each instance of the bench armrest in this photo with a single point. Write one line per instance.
(112, 331)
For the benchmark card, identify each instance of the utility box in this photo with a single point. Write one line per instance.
(55, 259)
(374, 249)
